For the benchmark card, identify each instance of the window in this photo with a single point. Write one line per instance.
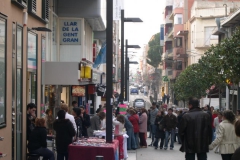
(178, 19)
(19, 52)
(178, 42)
(179, 65)
(20, 3)
(3, 23)
(32, 6)
(209, 36)
(45, 10)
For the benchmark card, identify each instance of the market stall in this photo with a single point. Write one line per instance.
(88, 149)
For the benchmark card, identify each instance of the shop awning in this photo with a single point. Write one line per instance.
(60, 73)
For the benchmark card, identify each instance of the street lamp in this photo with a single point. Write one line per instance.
(127, 66)
(109, 69)
(127, 82)
(123, 19)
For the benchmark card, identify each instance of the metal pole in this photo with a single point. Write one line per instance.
(109, 68)
(126, 68)
(122, 56)
(127, 79)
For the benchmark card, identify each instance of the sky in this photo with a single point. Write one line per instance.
(151, 12)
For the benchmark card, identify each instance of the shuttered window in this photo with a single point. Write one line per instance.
(45, 10)
(20, 3)
(32, 6)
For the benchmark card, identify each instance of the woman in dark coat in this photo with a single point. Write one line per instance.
(78, 119)
(160, 134)
(37, 143)
(64, 135)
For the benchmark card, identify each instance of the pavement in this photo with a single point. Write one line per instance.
(150, 153)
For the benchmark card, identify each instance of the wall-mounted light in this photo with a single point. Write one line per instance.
(43, 29)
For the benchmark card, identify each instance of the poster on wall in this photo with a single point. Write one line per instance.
(78, 91)
(70, 31)
(32, 51)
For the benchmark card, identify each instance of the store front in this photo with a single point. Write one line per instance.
(62, 85)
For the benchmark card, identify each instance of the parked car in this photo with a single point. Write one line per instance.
(134, 90)
(139, 103)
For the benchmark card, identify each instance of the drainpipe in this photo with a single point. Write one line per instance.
(225, 9)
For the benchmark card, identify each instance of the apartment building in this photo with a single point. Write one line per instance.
(22, 48)
(188, 27)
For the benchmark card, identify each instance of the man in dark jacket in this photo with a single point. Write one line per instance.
(85, 122)
(31, 115)
(169, 125)
(64, 134)
(195, 131)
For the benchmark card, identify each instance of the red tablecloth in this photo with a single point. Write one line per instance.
(77, 152)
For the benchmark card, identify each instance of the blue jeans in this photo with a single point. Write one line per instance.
(137, 139)
(213, 134)
(167, 134)
(60, 156)
(153, 129)
(131, 143)
(45, 153)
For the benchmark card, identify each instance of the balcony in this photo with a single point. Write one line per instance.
(170, 35)
(168, 20)
(202, 43)
(168, 3)
(169, 53)
(209, 12)
(177, 52)
(166, 38)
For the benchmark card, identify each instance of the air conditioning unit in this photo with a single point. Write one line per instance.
(32, 6)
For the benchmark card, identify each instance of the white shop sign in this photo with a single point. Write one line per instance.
(70, 30)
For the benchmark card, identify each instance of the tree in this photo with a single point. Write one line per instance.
(191, 83)
(155, 51)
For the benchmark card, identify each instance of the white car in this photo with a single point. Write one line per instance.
(139, 103)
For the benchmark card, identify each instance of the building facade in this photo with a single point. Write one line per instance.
(22, 45)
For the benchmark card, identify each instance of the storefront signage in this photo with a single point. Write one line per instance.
(78, 91)
(70, 30)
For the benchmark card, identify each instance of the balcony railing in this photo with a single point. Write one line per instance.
(205, 43)
(168, 20)
(169, 51)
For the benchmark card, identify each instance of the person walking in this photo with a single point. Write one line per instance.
(119, 122)
(226, 141)
(169, 125)
(131, 143)
(217, 121)
(214, 115)
(236, 155)
(134, 119)
(195, 131)
(153, 115)
(160, 134)
(64, 134)
(143, 128)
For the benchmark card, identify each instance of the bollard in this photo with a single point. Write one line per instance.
(99, 158)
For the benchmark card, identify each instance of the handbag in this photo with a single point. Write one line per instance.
(160, 126)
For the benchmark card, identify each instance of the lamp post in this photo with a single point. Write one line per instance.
(109, 68)
(127, 66)
(123, 19)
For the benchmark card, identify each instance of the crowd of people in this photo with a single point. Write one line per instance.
(198, 130)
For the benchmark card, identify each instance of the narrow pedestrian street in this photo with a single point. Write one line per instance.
(153, 154)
